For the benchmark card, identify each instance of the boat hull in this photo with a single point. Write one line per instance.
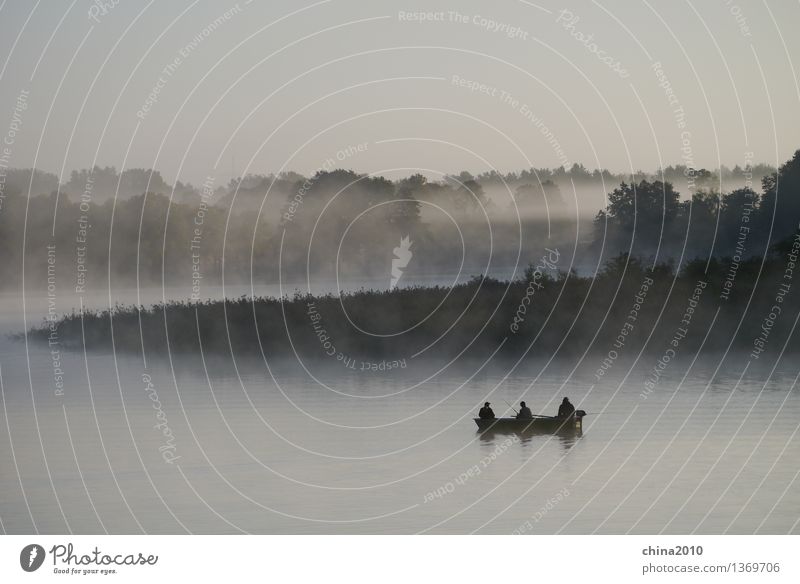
(543, 425)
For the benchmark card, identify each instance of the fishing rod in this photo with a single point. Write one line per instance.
(532, 415)
(512, 407)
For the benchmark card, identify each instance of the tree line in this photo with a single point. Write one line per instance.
(342, 223)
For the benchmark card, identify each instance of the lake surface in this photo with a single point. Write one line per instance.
(283, 447)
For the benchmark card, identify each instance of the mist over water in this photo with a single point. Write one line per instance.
(708, 451)
(263, 265)
(350, 410)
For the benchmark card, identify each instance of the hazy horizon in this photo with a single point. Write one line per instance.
(199, 89)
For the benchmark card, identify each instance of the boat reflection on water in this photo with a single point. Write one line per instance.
(567, 438)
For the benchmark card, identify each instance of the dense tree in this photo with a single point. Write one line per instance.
(539, 198)
(781, 199)
(362, 218)
(640, 215)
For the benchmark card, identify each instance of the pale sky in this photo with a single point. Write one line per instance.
(287, 85)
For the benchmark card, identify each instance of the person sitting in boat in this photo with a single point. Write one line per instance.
(524, 412)
(566, 409)
(486, 412)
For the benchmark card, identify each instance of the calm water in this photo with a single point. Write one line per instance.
(279, 448)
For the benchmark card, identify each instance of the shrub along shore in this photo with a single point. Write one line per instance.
(748, 305)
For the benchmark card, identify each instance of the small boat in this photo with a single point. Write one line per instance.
(539, 424)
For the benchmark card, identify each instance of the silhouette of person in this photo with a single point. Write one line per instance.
(524, 412)
(566, 409)
(486, 412)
